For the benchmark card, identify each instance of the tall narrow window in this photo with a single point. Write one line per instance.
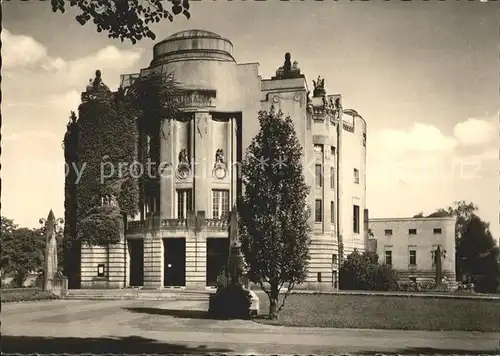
(318, 211)
(332, 177)
(413, 257)
(184, 202)
(388, 258)
(220, 204)
(355, 219)
(332, 212)
(318, 175)
(356, 176)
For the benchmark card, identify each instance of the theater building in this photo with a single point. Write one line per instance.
(180, 240)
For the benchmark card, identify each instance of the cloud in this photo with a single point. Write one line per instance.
(420, 137)
(21, 50)
(30, 135)
(475, 132)
(31, 62)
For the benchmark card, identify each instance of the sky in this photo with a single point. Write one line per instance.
(423, 74)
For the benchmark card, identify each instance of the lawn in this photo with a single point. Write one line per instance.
(25, 294)
(386, 312)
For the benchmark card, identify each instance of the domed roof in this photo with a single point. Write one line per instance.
(194, 33)
(194, 44)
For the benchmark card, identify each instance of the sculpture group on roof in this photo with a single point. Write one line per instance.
(319, 87)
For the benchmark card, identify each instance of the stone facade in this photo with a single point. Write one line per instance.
(202, 148)
(409, 244)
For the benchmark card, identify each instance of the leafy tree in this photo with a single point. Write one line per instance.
(419, 215)
(477, 253)
(274, 213)
(22, 251)
(124, 19)
(363, 272)
(481, 255)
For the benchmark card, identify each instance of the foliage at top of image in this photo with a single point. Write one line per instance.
(275, 233)
(124, 19)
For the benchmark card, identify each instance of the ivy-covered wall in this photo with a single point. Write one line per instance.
(107, 155)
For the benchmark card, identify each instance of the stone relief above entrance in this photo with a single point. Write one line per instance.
(195, 98)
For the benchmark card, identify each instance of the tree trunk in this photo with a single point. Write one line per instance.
(273, 302)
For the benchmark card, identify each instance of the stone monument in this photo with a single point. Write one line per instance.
(50, 272)
(236, 263)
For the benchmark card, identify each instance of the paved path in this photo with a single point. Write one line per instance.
(160, 327)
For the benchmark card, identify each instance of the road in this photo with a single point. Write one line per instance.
(133, 327)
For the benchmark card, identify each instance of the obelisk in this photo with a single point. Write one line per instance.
(50, 252)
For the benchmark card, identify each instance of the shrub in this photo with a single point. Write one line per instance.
(26, 295)
(362, 272)
(230, 302)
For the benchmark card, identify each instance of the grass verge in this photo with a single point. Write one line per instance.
(12, 295)
(386, 312)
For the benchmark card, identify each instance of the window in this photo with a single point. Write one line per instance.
(388, 232)
(332, 212)
(356, 176)
(412, 231)
(355, 219)
(332, 151)
(388, 258)
(334, 260)
(319, 277)
(100, 270)
(413, 258)
(184, 203)
(318, 211)
(318, 152)
(438, 231)
(318, 175)
(334, 279)
(332, 177)
(220, 204)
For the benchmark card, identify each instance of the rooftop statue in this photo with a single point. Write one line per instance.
(288, 70)
(319, 87)
(96, 83)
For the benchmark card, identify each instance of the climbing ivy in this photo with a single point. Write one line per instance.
(107, 143)
(101, 227)
(107, 153)
(71, 246)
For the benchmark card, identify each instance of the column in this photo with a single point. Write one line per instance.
(168, 161)
(116, 272)
(196, 254)
(153, 255)
(201, 170)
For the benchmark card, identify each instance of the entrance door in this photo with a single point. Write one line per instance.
(217, 255)
(175, 262)
(136, 269)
